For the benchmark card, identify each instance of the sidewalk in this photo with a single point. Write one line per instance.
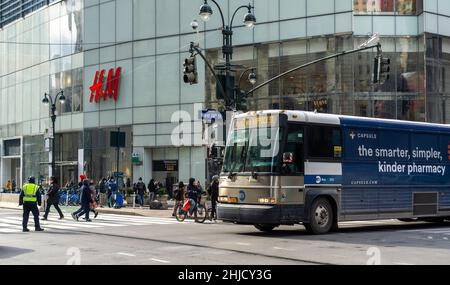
(144, 212)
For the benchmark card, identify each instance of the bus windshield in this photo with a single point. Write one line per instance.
(253, 150)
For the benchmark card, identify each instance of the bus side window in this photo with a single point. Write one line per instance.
(293, 156)
(324, 142)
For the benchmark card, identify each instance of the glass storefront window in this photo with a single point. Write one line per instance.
(400, 7)
(101, 159)
(373, 6)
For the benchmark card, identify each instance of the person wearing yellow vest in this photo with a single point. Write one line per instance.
(30, 199)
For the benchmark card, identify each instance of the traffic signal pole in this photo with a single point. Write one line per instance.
(378, 46)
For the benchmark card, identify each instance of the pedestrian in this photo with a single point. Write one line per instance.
(169, 187)
(8, 186)
(179, 196)
(103, 190)
(14, 186)
(112, 187)
(86, 200)
(30, 198)
(53, 199)
(141, 189)
(152, 189)
(94, 203)
(214, 193)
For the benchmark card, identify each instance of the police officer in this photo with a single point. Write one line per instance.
(30, 198)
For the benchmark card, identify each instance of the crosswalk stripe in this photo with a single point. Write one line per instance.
(62, 223)
(6, 225)
(8, 231)
(137, 218)
(13, 224)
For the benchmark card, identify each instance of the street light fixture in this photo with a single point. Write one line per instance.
(205, 11)
(250, 19)
(47, 100)
(252, 78)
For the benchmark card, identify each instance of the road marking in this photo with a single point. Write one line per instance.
(159, 260)
(126, 254)
(430, 237)
(280, 248)
(7, 231)
(242, 243)
(402, 263)
(6, 225)
(445, 238)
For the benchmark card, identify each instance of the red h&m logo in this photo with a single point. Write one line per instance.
(112, 85)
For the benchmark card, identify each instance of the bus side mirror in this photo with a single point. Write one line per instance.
(288, 157)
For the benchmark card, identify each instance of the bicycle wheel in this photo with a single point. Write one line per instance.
(201, 214)
(180, 214)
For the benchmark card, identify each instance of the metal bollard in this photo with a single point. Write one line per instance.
(134, 200)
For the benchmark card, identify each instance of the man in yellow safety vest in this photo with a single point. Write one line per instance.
(30, 198)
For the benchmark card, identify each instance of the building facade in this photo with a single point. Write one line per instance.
(64, 45)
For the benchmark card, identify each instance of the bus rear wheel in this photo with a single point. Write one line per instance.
(265, 227)
(321, 217)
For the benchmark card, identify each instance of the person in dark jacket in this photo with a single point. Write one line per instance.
(86, 200)
(53, 199)
(152, 189)
(214, 193)
(140, 191)
(194, 194)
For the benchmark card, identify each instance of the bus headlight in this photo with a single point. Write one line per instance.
(223, 199)
(267, 200)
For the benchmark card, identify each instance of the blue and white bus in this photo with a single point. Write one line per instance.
(295, 167)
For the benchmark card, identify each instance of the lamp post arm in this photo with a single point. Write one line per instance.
(59, 95)
(235, 12)
(378, 46)
(221, 14)
(242, 76)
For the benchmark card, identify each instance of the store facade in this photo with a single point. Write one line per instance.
(65, 45)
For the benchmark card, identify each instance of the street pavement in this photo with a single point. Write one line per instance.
(119, 239)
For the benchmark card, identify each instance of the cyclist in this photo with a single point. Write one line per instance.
(193, 194)
(179, 196)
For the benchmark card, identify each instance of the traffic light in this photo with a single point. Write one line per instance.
(227, 83)
(381, 69)
(241, 101)
(385, 68)
(190, 70)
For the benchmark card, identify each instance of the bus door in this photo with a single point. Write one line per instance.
(293, 166)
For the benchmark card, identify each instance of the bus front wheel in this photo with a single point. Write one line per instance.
(265, 228)
(321, 217)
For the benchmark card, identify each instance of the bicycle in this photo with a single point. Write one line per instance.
(200, 213)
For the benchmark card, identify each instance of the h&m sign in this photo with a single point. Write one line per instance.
(110, 88)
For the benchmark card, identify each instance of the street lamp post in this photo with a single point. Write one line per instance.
(227, 32)
(48, 100)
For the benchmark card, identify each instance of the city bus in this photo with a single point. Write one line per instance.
(295, 167)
